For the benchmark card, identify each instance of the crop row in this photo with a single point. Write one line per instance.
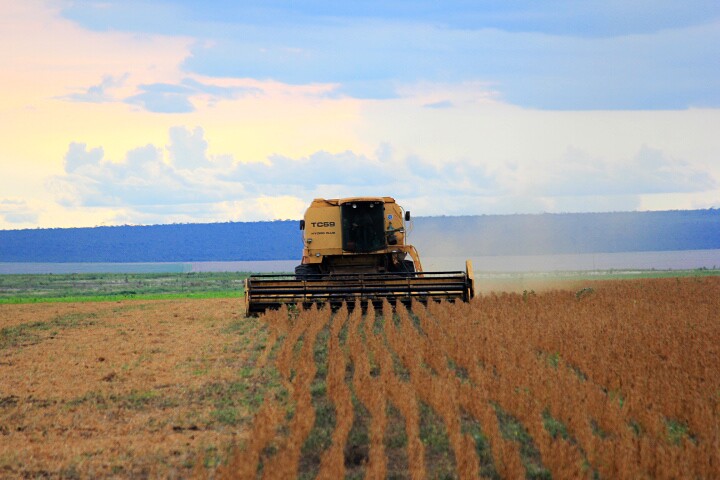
(615, 381)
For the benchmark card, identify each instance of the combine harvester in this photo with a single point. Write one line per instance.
(354, 249)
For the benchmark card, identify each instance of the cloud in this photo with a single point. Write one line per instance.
(549, 55)
(453, 177)
(183, 174)
(650, 171)
(262, 208)
(217, 92)
(98, 93)
(163, 98)
(593, 18)
(531, 69)
(188, 150)
(144, 178)
(17, 212)
(78, 155)
(347, 173)
(440, 104)
(160, 97)
(183, 182)
(320, 168)
(177, 98)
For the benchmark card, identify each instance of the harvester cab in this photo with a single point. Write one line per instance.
(355, 249)
(356, 235)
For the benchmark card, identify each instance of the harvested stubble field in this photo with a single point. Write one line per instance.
(127, 389)
(620, 379)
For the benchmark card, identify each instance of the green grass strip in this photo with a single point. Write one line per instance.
(113, 298)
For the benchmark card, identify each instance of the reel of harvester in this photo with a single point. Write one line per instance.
(264, 292)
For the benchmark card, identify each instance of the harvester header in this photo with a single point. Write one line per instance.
(355, 249)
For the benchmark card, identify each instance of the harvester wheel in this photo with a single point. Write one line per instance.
(407, 267)
(303, 271)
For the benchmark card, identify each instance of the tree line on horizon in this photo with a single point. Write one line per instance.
(433, 236)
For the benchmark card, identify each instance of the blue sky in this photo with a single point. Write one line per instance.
(550, 55)
(174, 111)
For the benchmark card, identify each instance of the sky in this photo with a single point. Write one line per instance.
(124, 112)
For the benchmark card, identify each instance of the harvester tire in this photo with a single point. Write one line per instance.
(407, 267)
(302, 272)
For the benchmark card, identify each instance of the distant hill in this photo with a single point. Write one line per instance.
(200, 242)
(433, 236)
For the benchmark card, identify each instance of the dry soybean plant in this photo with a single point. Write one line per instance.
(621, 381)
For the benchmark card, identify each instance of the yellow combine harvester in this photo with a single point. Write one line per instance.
(355, 249)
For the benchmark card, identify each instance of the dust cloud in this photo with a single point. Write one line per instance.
(545, 252)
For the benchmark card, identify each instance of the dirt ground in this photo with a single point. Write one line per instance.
(129, 389)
